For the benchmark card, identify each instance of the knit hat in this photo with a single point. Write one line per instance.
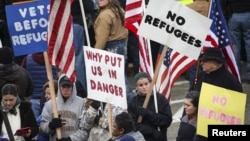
(65, 81)
(212, 54)
(141, 75)
(6, 55)
(127, 138)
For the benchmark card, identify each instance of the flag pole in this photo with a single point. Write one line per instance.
(157, 69)
(151, 71)
(52, 91)
(198, 63)
(85, 24)
(110, 119)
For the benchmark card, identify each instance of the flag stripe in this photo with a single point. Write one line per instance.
(179, 63)
(144, 58)
(219, 37)
(133, 16)
(60, 37)
(170, 72)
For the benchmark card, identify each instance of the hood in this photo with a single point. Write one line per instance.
(59, 95)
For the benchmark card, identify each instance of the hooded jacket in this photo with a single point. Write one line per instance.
(15, 74)
(71, 110)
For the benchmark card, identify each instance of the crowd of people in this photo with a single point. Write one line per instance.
(27, 108)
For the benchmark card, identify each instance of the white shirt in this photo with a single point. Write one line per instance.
(15, 123)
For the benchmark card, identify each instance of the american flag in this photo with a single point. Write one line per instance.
(61, 51)
(133, 16)
(173, 66)
(219, 37)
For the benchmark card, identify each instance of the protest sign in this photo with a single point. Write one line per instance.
(219, 106)
(105, 76)
(175, 25)
(28, 23)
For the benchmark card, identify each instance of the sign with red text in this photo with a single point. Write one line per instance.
(105, 76)
(176, 26)
(219, 106)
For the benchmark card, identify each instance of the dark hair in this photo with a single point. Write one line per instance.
(46, 85)
(194, 96)
(10, 89)
(125, 121)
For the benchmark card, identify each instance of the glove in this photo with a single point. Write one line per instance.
(97, 118)
(64, 139)
(145, 112)
(158, 135)
(55, 123)
(95, 104)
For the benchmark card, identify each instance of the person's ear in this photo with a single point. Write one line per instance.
(122, 131)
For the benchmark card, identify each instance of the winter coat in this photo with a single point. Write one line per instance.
(27, 119)
(108, 27)
(221, 78)
(71, 110)
(148, 126)
(186, 130)
(100, 131)
(35, 65)
(15, 74)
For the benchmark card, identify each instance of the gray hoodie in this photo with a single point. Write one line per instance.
(71, 110)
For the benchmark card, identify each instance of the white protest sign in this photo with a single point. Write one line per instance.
(105, 76)
(175, 25)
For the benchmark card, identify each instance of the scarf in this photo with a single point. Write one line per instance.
(13, 109)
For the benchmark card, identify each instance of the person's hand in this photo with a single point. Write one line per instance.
(64, 139)
(56, 123)
(95, 104)
(28, 134)
(144, 112)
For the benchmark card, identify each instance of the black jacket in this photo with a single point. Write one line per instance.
(3, 3)
(149, 125)
(27, 119)
(221, 78)
(88, 6)
(15, 74)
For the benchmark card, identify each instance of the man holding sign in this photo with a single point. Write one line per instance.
(214, 72)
